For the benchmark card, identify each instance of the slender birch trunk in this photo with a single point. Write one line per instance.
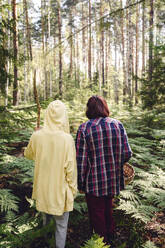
(137, 54)
(15, 48)
(143, 37)
(151, 41)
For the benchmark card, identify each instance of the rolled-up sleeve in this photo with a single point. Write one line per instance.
(82, 158)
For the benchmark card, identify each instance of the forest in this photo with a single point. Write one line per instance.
(71, 50)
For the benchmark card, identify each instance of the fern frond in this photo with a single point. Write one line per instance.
(130, 195)
(149, 244)
(81, 207)
(142, 184)
(141, 212)
(8, 201)
(95, 242)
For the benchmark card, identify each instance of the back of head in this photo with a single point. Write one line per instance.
(56, 117)
(97, 107)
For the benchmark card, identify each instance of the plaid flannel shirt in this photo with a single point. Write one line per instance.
(102, 148)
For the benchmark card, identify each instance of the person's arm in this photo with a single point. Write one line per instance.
(71, 169)
(82, 158)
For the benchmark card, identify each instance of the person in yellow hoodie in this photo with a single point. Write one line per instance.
(55, 174)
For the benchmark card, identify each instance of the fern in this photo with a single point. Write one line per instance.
(95, 242)
(8, 201)
(149, 244)
(156, 196)
(130, 195)
(81, 207)
(27, 235)
(19, 170)
(142, 212)
(80, 204)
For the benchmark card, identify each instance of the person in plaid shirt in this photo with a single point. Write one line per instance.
(102, 148)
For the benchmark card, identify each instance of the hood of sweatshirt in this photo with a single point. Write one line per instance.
(56, 117)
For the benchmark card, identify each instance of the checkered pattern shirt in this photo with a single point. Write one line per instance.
(102, 148)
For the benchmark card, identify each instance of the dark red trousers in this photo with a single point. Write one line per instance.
(100, 215)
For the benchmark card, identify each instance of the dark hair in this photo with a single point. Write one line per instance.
(97, 107)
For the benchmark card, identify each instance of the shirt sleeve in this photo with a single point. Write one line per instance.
(82, 158)
(29, 150)
(127, 149)
(71, 169)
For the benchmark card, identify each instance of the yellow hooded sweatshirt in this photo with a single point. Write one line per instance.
(55, 174)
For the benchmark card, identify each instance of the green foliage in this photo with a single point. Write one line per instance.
(153, 92)
(95, 242)
(145, 196)
(16, 127)
(19, 170)
(8, 201)
(149, 244)
(5, 53)
(16, 119)
(80, 204)
(27, 233)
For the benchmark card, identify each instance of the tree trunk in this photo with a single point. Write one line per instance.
(123, 56)
(151, 41)
(15, 48)
(137, 54)
(44, 46)
(28, 30)
(89, 44)
(60, 51)
(129, 52)
(143, 37)
(78, 64)
(25, 49)
(8, 61)
(83, 42)
(106, 59)
(43, 26)
(71, 45)
(102, 51)
(50, 86)
(50, 47)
